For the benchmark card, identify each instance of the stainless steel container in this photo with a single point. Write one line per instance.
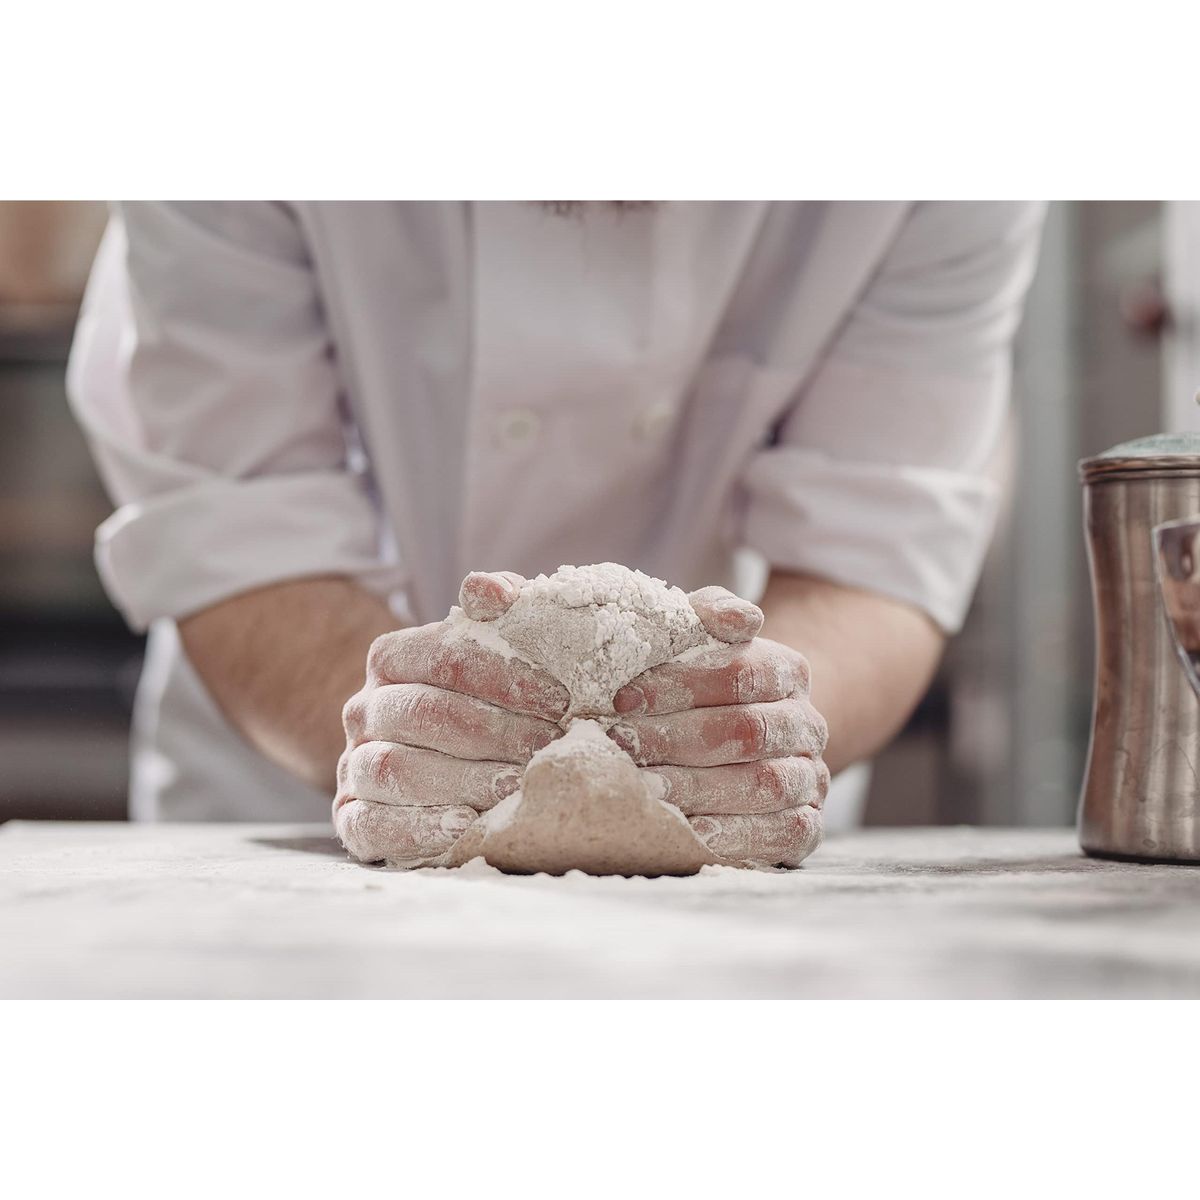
(1141, 791)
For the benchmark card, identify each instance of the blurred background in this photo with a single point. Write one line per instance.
(68, 664)
(1110, 350)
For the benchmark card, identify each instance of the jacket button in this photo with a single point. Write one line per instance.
(654, 421)
(516, 427)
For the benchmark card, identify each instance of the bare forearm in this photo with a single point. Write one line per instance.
(281, 662)
(872, 658)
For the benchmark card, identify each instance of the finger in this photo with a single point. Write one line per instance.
(751, 673)
(404, 836)
(770, 839)
(434, 719)
(727, 617)
(391, 773)
(709, 737)
(772, 785)
(445, 656)
(486, 595)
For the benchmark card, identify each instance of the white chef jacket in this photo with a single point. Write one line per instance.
(402, 393)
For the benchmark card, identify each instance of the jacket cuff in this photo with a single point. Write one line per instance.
(179, 552)
(917, 534)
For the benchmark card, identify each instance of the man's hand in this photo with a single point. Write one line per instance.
(732, 732)
(440, 716)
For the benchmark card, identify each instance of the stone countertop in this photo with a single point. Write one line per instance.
(114, 910)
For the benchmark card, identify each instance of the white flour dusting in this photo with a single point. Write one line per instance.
(482, 632)
(582, 737)
(597, 628)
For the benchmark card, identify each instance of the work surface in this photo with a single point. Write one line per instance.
(274, 911)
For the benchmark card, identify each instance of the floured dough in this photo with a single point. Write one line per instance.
(596, 628)
(584, 806)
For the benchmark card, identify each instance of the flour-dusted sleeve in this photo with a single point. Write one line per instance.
(879, 476)
(203, 374)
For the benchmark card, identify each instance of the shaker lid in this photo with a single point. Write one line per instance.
(1159, 453)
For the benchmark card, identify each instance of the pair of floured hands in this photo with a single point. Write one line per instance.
(444, 726)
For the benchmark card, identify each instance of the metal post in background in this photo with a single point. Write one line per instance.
(1001, 739)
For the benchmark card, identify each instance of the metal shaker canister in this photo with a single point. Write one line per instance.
(1141, 790)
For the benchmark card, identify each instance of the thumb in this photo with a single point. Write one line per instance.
(486, 595)
(725, 616)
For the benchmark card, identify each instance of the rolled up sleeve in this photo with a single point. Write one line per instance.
(879, 476)
(203, 375)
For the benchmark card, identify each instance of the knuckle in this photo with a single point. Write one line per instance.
(776, 833)
(783, 832)
(451, 824)
(787, 668)
(815, 728)
(804, 834)
(354, 715)
(665, 780)
(801, 673)
(761, 830)
(373, 832)
(503, 783)
(537, 693)
(360, 769)
(822, 784)
(343, 778)
(628, 735)
(793, 727)
(395, 657)
(531, 734)
(770, 778)
(516, 692)
(356, 822)
(379, 656)
(777, 674)
(784, 674)
(380, 761)
(793, 781)
(514, 696)
(426, 711)
(761, 675)
(446, 664)
(798, 729)
(376, 705)
(757, 730)
(747, 677)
